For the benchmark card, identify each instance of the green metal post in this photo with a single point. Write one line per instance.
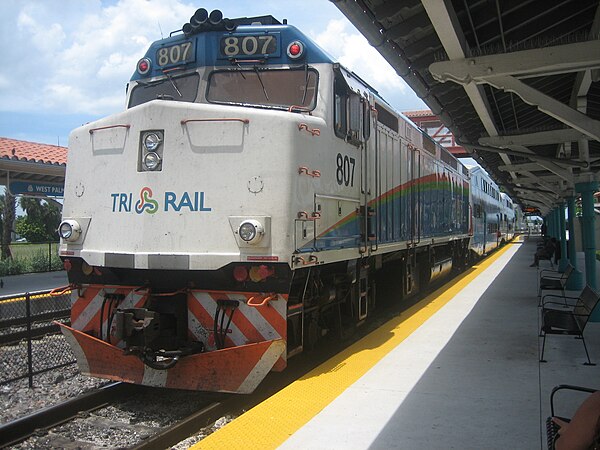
(555, 224)
(562, 238)
(576, 280)
(589, 236)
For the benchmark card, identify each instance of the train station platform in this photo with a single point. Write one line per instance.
(460, 369)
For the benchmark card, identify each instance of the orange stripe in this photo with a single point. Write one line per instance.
(82, 302)
(273, 316)
(246, 327)
(200, 313)
(207, 321)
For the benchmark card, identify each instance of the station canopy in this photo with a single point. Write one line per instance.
(29, 168)
(515, 81)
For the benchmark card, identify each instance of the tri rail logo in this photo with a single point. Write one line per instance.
(122, 202)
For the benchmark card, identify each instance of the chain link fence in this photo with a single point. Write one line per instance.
(25, 257)
(30, 343)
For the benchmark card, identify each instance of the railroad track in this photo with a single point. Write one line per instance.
(72, 422)
(20, 429)
(69, 421)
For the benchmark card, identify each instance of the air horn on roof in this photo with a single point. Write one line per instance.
(203, 21)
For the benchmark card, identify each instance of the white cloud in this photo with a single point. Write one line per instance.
(354, 52)
(73, 56)
(76, 57)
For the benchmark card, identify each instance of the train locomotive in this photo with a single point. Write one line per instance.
(241, 206)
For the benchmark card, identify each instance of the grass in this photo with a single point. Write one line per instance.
(27, 258)
(25, 250)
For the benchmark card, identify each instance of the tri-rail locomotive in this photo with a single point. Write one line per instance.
(241, 207)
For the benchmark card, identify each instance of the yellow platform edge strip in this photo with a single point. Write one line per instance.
(270, 423)
(31, 297)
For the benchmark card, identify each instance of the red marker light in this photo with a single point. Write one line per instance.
(240, 273)
(143, 66)
(295, 49)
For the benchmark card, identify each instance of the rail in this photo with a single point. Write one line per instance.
(186, 427)
(20, 429)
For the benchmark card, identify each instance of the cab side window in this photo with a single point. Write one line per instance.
(340, 109)
(348, 113)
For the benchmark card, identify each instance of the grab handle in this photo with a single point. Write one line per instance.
(265, 301)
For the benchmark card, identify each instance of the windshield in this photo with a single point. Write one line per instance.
(264, 87)
(182, 88)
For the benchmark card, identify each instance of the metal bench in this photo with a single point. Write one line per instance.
(570, 322)
(554, 280)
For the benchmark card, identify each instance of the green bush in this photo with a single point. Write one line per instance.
(56, 263)
(38, 262)
(12, 266)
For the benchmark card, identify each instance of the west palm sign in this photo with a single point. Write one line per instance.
(38, 189)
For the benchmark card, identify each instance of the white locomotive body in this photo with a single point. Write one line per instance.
(239, 209)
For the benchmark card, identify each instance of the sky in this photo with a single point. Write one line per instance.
(67, 62)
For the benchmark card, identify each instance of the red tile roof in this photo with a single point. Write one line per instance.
(418, 113)
(32, 152)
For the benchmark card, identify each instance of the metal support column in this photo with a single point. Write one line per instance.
(576, 280)
(562, 238)
(589, 239)
(555, 224)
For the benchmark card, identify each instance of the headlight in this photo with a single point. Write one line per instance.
(151, 142)
(69, 230)
(251, 231)
(151, 160)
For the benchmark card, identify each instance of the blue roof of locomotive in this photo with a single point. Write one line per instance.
(206, 47)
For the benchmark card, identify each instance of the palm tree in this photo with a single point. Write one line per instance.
(7, 213)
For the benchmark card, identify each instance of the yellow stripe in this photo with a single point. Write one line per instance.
(33, 297)
(270, 423)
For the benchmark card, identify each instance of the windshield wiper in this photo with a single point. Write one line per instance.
(173, 83)
(305, 83)
(149, 83)
(261, 83)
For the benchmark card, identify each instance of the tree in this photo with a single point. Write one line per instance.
(7, 202)
(41, 221)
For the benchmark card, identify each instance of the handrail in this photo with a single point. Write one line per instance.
(305, 170)
(223, 119)
(62, 290)
(300, 108)
(313, 132)
(110, 126)
(265, 301)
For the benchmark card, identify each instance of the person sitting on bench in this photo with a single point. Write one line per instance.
(583, 431)
(544, 252)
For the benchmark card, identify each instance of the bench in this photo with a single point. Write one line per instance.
(553, 280)
(569, 322)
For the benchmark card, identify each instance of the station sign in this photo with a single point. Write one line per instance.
(32, 188)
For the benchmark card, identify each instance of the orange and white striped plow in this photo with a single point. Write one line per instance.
(253, 343)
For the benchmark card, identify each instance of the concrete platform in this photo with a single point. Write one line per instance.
(32, 282)
(458, 370)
